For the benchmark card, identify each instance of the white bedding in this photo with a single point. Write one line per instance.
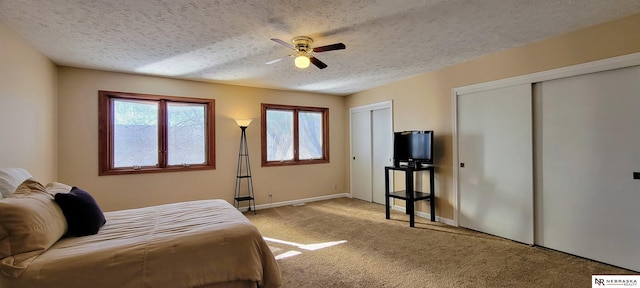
(188, 244)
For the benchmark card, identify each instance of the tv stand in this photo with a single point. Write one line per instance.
(409, 195)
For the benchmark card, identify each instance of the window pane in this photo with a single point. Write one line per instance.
(186, 133)
(135, 133)
(310, 135)
(279, 135)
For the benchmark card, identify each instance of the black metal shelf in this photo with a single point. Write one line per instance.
(404, 196)
(244, 198)
(409, 195)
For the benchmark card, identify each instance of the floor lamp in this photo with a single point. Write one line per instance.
(244, 170)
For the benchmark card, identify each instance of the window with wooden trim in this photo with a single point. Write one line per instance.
(293, 135)
(142, 133)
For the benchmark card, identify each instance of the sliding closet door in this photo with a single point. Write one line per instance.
(382, 148)
(495, 179)
(371, 150)
(588, 146)
(361, 156)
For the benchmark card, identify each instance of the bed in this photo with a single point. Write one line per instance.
(206, 243)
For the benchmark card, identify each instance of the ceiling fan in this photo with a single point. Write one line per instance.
(304, 53)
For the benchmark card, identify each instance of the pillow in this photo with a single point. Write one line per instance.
(11, 178)
(30, 186)
(83, 214)
(30, 222)
(54, 188)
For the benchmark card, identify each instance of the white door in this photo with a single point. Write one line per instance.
(361, 160)
(382, 142)
(495, 186)
(588, 147)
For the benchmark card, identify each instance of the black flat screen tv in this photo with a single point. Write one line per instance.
(412, 148)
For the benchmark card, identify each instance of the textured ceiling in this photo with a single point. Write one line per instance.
(227, 41)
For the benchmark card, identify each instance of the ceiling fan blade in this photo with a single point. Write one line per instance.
(337, 46)
(317, 62)
(283, 43)
(278, 60)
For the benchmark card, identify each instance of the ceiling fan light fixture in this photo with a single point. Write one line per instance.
(302, 61)
(305, 53)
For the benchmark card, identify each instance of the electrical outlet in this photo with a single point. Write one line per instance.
(636, 175)
(270, 195)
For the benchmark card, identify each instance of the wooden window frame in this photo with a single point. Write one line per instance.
(105, 131)
(296, 159)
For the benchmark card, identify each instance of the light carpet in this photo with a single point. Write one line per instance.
(348, 243)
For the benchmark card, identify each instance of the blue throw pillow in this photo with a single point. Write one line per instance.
(82, 212)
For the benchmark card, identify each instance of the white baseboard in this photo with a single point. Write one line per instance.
(296, 202)
(425, 215)
(342, 195)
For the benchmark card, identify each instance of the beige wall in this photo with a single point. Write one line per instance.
(28, 126)
(424, 102)
(78, 151)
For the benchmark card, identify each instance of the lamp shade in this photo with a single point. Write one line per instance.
(243, 122)
(302, 61)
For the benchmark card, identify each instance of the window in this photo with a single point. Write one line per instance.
(293, 135)
(142, 133)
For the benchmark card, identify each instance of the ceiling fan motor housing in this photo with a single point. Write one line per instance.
(302, 44)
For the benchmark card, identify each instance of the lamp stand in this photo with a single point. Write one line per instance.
(244, 174)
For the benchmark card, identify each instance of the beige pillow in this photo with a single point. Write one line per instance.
(54, 188)
(29, 186)
(30, 222)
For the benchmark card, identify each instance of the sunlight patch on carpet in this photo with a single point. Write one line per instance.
(310, 247)
(289, 253)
